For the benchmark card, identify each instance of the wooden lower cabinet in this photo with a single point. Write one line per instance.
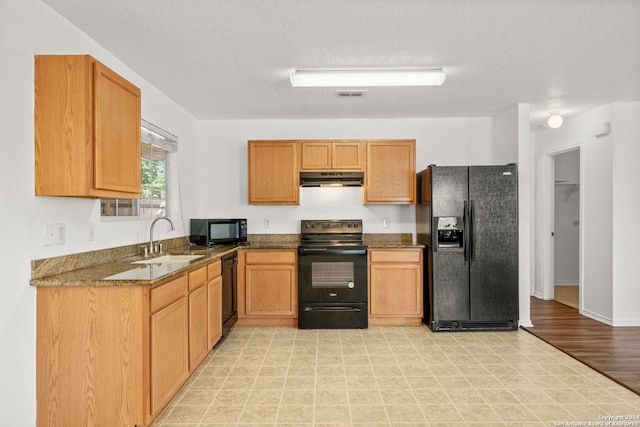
(169, 353)
(198, 327)
(92, 356)
(198, 317)
(395, 287)
(269, 288)
(116, 355)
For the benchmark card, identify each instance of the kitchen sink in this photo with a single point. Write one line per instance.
(165, 259)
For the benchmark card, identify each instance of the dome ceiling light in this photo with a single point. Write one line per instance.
(555, 120)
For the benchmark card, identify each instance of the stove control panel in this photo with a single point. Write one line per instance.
(322, 226)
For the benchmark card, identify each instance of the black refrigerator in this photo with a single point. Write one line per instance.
(467, 217)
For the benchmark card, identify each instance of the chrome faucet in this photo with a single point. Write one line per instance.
(152, 249)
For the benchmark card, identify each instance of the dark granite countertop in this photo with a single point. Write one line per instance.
(117, 267)
(125, 272)
(390, 241)
(393, 245)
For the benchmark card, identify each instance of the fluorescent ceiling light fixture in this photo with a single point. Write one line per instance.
(367, 77)
(554, 121)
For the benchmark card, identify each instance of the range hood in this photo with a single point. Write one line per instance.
(331, 179)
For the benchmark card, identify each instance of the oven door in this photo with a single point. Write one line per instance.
(332, 274)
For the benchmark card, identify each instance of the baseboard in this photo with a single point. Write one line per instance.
(525, 323)
(395, 321)
(595, 316)
(266, 322)
(629, 322)
(566, 283)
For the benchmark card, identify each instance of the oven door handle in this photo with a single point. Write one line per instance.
(332, 251)
(334, 308)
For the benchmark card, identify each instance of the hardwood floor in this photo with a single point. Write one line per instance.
(615, 352)
(567, 295)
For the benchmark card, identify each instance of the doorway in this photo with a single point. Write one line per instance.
(566, 228)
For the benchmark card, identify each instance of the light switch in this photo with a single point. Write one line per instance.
(61, 233)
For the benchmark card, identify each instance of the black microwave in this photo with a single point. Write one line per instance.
(208, 232)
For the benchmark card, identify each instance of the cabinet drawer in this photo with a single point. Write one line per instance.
(270, 257)
(164, 294)
(197, 278)
(394, 255)
(214, 269)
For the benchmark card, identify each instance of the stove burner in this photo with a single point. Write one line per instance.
(331, 232)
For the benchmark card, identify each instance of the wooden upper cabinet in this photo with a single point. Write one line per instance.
(331, 155)
(389, 168)
(273, 173)
(87, 129)
(390, 175)
(423, 181)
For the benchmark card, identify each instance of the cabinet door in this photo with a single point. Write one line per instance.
(395, 286)
(315, 155)
(396, 290)
(270, 290)
(214, 332)
(198, 321)
(87, 129)
(169, 353)
(117, 132)
(390, 172)
(273, 173)
(347, 155)
(331, 155)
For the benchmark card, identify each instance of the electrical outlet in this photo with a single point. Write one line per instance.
(267, 223)
(92, 231)
(50, 235)
(386, 223)
(61, 233)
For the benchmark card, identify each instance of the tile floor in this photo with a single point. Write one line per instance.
(393, 376)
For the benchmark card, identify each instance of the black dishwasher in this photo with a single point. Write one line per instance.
(229, 291)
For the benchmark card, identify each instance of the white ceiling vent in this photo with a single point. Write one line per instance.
(353, 93)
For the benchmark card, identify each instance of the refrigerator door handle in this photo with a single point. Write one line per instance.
(434, 235)
(471, 231)
(465, 236)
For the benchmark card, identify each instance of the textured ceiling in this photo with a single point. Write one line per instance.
(228, 59)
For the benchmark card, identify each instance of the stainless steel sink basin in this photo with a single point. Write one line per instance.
(165, 259)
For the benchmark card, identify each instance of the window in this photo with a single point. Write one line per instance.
(156, 148)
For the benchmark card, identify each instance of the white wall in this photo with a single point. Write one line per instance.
(626, 206)
(505, 136)
(222, 157)
(29, 27)
(609, 192)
